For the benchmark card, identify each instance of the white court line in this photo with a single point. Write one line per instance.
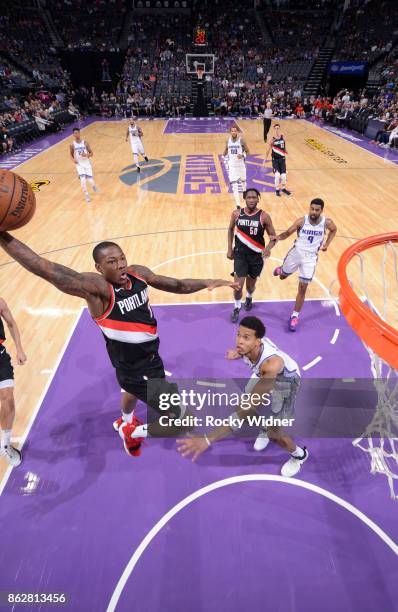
(43, 395)
(312, 363)
(205, 383)
(335, 336)
(206, 303)
(234, 480)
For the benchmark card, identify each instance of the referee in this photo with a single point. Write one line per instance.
(267, 119)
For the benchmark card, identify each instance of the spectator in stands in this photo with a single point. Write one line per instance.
(7, 143)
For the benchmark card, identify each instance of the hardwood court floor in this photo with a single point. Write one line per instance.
(159, 224)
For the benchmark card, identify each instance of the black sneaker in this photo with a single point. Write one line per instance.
(278, 193)
(146, 159)
(138, 169)
(286, 191)
(248, 305)
(235, 315)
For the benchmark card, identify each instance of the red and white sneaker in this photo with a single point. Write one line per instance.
(278, 271)
(132, 446)
(293, 322)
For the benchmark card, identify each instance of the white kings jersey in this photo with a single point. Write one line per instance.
(134, 132)
(309, 236)
(234, 149)
(80, 152)
(290, 368)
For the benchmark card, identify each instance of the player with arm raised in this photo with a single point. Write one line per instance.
(117, 298)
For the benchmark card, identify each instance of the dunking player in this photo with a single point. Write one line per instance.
(273, 371)
(137, 147)
(7, 405)
(249, 252)
(278, 147)
(117, 299)
(303, 256)
(234, 156)
(80, 152)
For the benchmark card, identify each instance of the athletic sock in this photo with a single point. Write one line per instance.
(295, 313)
(238, 304)
(128, 416)
(5, 438)
(298, 453)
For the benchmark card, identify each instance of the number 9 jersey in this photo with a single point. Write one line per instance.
(303, 255)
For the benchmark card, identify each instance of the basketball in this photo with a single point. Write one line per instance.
(17, 201)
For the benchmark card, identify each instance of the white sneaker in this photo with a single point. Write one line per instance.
(293, 465)
(12, 455)
(262, 441)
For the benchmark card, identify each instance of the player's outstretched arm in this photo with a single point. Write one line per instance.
(195, 446)
(5, 313)
(177, 285)
(293, 228)
(330, 225)
(88, 285)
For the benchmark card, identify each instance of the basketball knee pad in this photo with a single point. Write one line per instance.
(277, 177)
(283, 179)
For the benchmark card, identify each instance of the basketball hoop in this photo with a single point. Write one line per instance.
(380, 338)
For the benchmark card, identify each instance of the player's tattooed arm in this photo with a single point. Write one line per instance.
(330, 225)
(293, 228)
(178, 285)
(90, 286)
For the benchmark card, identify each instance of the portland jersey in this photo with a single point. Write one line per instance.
(134, 132)
(234, 149)
(269, 349)
(278, 147)
(249, 231)
(309, 236)
(80, 148)
(129, 327)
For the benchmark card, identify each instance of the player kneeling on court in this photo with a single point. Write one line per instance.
(273, 371)
(249, 253)
(7, 405)
(303, 256)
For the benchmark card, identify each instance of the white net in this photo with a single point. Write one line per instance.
(380, 439)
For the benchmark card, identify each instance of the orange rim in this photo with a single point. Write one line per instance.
(375, 333)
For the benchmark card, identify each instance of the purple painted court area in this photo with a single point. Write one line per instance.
(78, 508)
(199, 125)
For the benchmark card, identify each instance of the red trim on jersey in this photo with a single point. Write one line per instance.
(256, 244)
(131, 327)
(274, 148)
(139, 277)
(2, 340)
(111, 305)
